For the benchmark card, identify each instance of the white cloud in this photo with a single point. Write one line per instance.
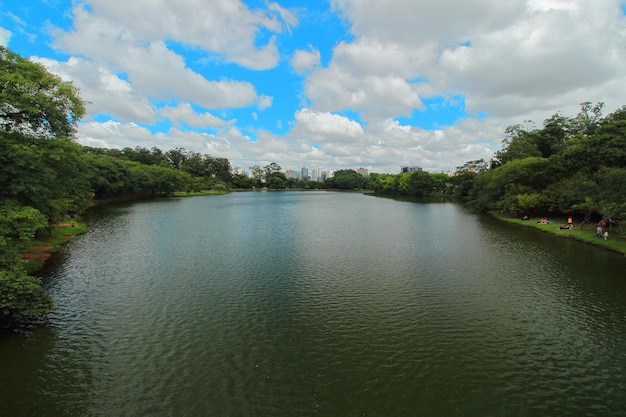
(104, 92)
(333, 89)
(325, 127)
(303, 60)
(507, 58)
(153, 69)
(119, 135)
(509, 61)
(5, 35)
(264, 102)
(225, 27)
(412, 22)
(113, 134)
(545, 57)
(183, 112)
(386, 145)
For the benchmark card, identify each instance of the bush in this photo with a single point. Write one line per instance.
(21, 297)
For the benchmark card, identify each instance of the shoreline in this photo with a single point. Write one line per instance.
(615, 243)
(40, 250)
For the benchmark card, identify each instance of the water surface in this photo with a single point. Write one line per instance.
(321, 303)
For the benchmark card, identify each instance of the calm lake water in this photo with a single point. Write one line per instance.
(321, 303)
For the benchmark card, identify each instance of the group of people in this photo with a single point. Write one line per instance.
(601, 229)
(601, 226)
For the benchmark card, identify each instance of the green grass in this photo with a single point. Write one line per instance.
(616, 241)
(41, 248)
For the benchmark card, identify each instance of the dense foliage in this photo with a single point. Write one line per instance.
(40, 176)
(569, 166)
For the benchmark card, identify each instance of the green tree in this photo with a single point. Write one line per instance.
(21, 295)
(346, 179)
(218, 168)
(176, 157)
(34, 102)
(518, 144)
(420, 183)
(42, 175)
(258, 174)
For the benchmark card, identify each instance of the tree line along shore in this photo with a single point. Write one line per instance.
(569, 166)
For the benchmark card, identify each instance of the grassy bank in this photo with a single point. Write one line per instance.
(41, 249)
(616, 241)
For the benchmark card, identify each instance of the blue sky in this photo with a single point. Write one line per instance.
(325, 85)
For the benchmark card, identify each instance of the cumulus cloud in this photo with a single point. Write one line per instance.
(226, 27)
(389, 144)
(507, 58)
(113, 134)
(303, 60)
(507, 61)
(5, 35)
(334, 89)
(325, 127)
(413, 22)
(104, 92)
(184, 113)
(153, 69)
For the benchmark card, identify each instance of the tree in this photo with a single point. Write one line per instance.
(276, 181)
(346, 179)
(176, 157)
(42, 174)
(218, 168)
(519, 144)
(420, 183)
(34, 102)
(271, 168)
(257, 173)
(21, 295)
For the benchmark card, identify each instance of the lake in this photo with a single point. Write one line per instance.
(320, 303)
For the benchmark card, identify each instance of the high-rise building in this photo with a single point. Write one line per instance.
(304, 174)
(290, 173)
(363, 172)
(410, 169)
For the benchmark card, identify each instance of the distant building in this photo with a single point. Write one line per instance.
(314, 175)
(304, 174)
(290, 173)
(363, 172)
(410, 169)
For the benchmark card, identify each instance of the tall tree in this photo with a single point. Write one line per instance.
(41, 173)
(35, 102)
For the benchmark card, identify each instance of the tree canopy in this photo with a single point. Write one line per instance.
(35, 102)
(570, 165)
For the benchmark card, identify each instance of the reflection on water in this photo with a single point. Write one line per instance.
(321, 303)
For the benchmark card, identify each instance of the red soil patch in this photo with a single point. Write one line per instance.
(40, 254)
